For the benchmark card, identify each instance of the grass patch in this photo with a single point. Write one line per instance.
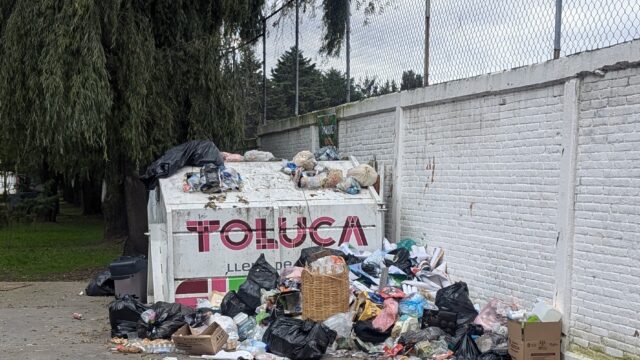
(71, 249)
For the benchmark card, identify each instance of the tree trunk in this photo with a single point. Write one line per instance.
(77, 191)
(91, 191)
(68, 191)
(113, 206)
(136, 198)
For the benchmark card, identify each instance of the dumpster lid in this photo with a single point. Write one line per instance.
(263, 182)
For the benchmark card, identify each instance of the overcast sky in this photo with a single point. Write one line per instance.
(468, 37)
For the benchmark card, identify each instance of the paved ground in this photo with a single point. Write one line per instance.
(36, 323)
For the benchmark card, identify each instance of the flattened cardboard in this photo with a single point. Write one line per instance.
(209, 342)
(536, 341)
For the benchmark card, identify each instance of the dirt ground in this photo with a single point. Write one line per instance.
(36, 323)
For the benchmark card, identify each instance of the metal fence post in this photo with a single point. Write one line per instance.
(348, 50)
(297, 57)
(558, 30)
(264, 70)
(427, 30)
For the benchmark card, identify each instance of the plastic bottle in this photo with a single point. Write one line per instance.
(246, 325)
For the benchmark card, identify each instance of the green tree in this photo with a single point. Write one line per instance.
(248, 73)
(410, 80)
(97, 89)
(281, 93)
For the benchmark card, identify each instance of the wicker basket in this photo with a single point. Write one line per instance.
(324, 295)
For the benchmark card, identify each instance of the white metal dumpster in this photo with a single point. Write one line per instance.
(194, 250)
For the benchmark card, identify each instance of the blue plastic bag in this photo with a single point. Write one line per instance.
(413, 305)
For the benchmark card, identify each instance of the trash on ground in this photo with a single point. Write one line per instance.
(394, 301)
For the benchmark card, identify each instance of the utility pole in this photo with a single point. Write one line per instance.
(264, 70)
(297, 56)
(427, 28)
(348, 50)
(558, 30)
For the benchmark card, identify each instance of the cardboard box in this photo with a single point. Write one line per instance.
(534, 341)
(209, 342)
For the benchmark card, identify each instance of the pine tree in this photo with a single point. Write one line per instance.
(410, 80)
(281, 92)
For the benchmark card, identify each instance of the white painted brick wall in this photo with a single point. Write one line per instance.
(606, 269)
(287, 144)
(480, 179)
(368, 136)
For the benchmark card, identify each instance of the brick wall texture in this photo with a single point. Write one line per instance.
(606, 260)
(287, 144)
(480, 177)
(367, 137)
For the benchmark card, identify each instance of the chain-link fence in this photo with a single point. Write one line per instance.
(393, 45)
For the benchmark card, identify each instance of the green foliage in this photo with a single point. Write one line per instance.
(334, 18)
(89, 81)
(281, 91)
(410, 80)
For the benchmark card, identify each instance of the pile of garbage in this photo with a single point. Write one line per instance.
(306, 173)
(394, 302)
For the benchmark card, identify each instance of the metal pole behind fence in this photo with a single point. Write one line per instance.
(348, 50)
(558, 30)
(264, 71)
(427, 30)
(297, 57)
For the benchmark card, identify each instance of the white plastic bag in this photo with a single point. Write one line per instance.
(364, 174)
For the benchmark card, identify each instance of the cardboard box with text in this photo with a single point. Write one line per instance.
(534, 341)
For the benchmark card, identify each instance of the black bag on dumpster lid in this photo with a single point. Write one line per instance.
(194, 153)
(455, 298)
(298, 339)
(124, 313)
(101, 285)
(466, 348)
(169, 318)
(232, 305)
(210, 179)
(261, 276)
(366, 332)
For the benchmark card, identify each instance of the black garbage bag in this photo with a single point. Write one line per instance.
(466, 348)
(298, 339)
(445, 320)
(309, 255)
(401, 259)
(249, 294)
(169, 318)
(194, 153)
(124, 313)
(413, 337)
(366, 332)
(101, 285)
(494, 355)
(455, 298)
(232, 305)
(261, 276)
